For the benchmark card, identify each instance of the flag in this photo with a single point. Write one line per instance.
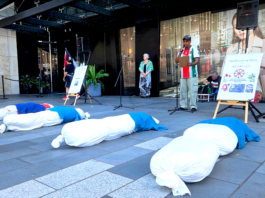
(74, 63)
(67, 56)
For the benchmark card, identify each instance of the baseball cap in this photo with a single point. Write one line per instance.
(187, 37)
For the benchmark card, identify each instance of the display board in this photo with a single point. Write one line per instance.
(78, 79)
(239, 77)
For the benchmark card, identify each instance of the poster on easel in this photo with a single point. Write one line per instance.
(240, 77)
(77, 82)
(78, 79)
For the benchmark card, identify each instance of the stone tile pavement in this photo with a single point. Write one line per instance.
(30, 167)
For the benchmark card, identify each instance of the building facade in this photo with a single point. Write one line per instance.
(159, 35)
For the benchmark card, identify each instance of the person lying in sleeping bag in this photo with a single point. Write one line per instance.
(23, 108)
(243, 133)
(93, 131)
(53, 116)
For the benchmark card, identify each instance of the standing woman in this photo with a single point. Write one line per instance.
(146, 67)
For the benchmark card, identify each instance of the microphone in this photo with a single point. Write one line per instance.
(183, 48)
(127, 56)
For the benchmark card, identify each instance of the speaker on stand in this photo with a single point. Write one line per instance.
(83, 48)
(247, 17)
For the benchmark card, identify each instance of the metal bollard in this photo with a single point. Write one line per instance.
(3, 87)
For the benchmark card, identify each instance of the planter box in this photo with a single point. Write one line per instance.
(93, 91)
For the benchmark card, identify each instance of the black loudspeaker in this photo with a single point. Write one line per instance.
(83, 45)
(247, 15)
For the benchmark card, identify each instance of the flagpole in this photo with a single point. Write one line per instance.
(77, 56)
(50, 51)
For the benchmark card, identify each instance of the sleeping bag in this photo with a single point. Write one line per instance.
(221, 135)
(243, 133)
(191, 157)
(184, 159)
(23, 108)
(90, 132)
(54, 116)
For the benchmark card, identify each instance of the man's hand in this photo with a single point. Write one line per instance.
(144, 75)
(64, 79)
(189, 64)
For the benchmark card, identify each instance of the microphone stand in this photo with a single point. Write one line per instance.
(177, 93)
(177, 108)
(120, 77)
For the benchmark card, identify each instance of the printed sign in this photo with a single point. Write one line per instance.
(78, 79)
(240, 77)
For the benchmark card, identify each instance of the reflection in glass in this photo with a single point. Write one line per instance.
(127, 37)
(212, 33)
(44, 65)
(206, 30)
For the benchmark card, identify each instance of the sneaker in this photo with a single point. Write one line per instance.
(193, 110)
(66, 98)
(78, 96)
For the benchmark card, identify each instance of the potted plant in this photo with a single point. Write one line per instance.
(43, 85)
(94, 84)
(27, 82)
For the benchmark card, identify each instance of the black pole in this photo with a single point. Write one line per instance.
(120, 89)
(40, 85)
(120, 77)
(85, 89)
(3, 87)
(177, 93)
(246, 41)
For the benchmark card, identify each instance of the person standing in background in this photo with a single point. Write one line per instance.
(189, 75)
(68, 76)
(146, 67)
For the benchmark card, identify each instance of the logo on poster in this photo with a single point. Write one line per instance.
(239, 73)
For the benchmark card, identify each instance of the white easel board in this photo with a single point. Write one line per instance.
(240, 76)
(77, 80)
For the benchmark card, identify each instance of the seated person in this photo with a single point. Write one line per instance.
(90, 132)
(23, 108)
(213, 81)
(53, 116)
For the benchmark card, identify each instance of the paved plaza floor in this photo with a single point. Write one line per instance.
(30, 167)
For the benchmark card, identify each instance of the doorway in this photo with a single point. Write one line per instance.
(48, 67)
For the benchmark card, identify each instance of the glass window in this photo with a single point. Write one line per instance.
(214, 36)
(127, 37)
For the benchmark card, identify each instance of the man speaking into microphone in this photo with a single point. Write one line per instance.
(189, 75)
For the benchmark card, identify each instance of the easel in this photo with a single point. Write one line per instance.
(87, 96)
(76, 85)
(85, 86)
(71, 94)
(247, 105)
(232, 103)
